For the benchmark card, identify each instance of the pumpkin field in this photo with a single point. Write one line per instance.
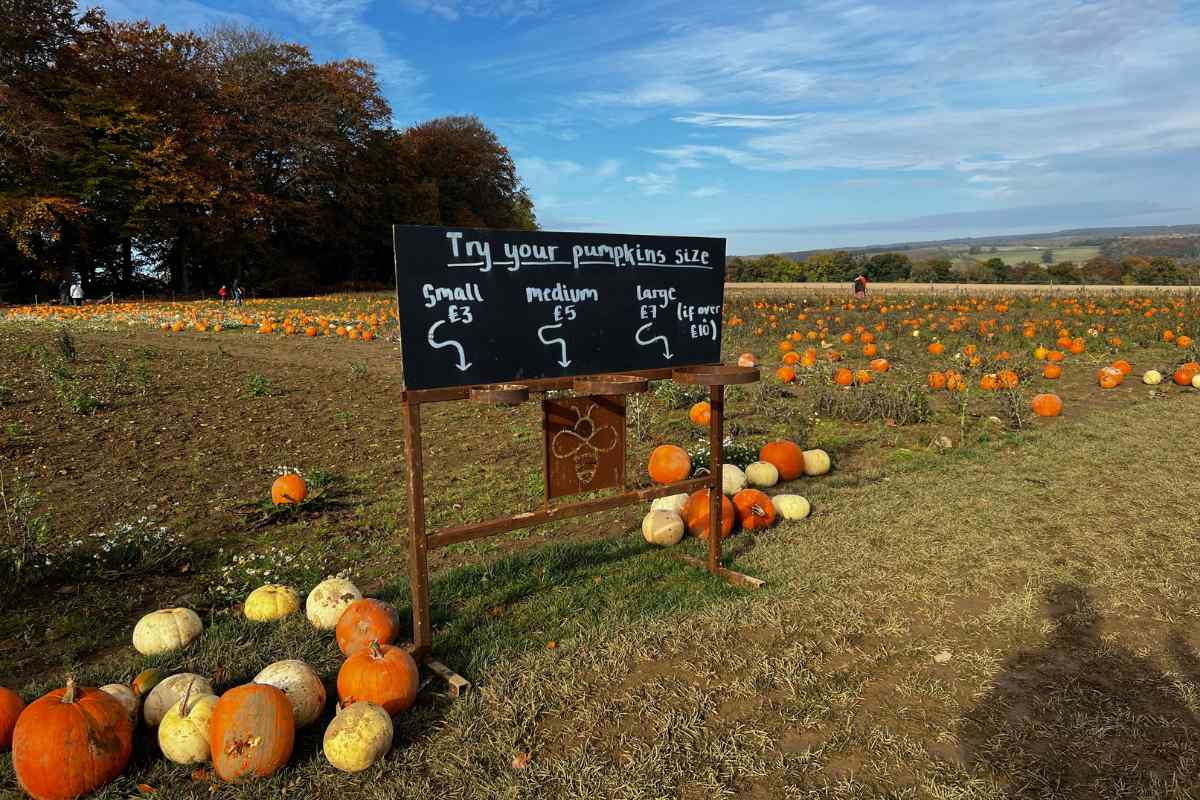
(976, 514)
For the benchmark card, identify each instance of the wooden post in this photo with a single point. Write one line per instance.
(716, 459)
(418, 567)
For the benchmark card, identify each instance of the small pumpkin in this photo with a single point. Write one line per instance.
(700, 413)
(11, 706)
(252, 732)
(880, 365)
(271, 602)
(1122, 365)
(786, 374)
(1183, 376)
(1109, 377)
(754, 509)
(747, 360)
(791, 506)
(126, 697)
(669, 463)
(672, 502)
(787, 457)
(380, 674)
(184, 730)
(1152, 377)
(365, 621)
(328, 600)
(358, 737)
(302, 686)
(762, 474)
(696, 513)
(664, 528)
(166, 630)
(1196, 381)
(1052, 371)
(843, 376)
(70, 742)
(816, 462)
(169, 692)
(1047, 405)
(733, 480)
(288, 490)
(937, 381)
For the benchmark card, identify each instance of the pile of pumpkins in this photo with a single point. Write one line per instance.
(77, 739)
(743, 497)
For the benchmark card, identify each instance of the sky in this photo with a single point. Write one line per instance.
(790, 125)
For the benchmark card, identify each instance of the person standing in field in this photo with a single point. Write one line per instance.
(77, 294)
(237, 294)
(860, 286)
(221, 293)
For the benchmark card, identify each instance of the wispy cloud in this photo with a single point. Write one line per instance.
(653, 183)
(454, 10)
(655, 93)
(706, 191)
(709, 119)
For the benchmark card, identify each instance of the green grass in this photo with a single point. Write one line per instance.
(1017, 255)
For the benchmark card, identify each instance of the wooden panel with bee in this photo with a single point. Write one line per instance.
(585, 444)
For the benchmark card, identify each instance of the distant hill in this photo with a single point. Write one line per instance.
(1070, 238)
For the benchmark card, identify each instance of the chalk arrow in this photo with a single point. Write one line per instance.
(666, 344)
(462, 364)
(564, 361)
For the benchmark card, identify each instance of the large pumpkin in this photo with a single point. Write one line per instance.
(70, 742)
(126, 697)
(696, 513)
(754, 509)
(359, 736)
(271, 602)
(252, 732)
(669, 463)
(166, 630)
(787, 457)
(289, 489)
(11, 706)
(365, 621)
(662, 527)
(328, 600)
(301, 684)
(1047, 405)
(381, 674)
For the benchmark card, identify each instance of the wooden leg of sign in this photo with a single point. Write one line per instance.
(418, 565)
(728, 575)
(716, 458)
(456, 684)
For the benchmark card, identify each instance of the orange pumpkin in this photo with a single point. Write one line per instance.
(791, 359)
(1047, 405)
(252, 731)
(1184, 341)
(747, 360)
(1109, 377)
(701, 413)
(937, 380)
(843, 376)
(786, 374)
(669, 463)
(289, 489)
(1122, 365)
(870, 351)
(1052, 371)
(989, 381)
(936, 348)
(1183, 376)
(955, 382)
(696, 513)
(1077, 346)
(1054, 356)
(365, 621)
(862, 377)
(1008, 379)
(881, 365)
(381, 674)
(70, 742)
(787, 457)
(11, 706)
(754, 509)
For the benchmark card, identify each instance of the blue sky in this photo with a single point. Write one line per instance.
(791, 125)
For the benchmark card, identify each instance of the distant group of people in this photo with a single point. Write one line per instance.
(70, 294)
(238, 293)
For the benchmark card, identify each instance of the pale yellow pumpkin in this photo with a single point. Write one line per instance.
(358, 737)
(271, 602)
(302, 686)
(816, 462)
(1196, 381)
(663, 528)
(762, 474)
(183, 733)
(672, 502)
(170, 691)
(1152, 377)
(166, 630)
(328, 600)
(126, 697)
(733, 480)
(791, 506)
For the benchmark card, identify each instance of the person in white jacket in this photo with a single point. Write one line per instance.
(76, 293)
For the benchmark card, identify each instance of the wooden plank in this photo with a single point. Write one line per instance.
(716, 457)
(537, 385)
(455, 684)
(478, 530)
(728, 575)
(418, 564)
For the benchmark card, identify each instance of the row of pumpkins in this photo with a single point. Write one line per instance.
(76, 739)
(670, 517)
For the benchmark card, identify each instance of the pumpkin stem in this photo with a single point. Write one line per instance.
(71, 692)
(187, 695)
(375, 651)
(758, 510)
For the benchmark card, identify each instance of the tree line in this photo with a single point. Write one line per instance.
(844, 266)
(133, 156)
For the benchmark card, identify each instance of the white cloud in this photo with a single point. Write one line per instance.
(608, 168)
(708, 119)
(453, 10)
(543, 172)
(655, 93)
(706, 191)
(653, 183)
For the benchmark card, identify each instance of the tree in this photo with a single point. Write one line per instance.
(934, 270)
(768, 268)
(998, 270)
(1062, 272)
(888, 267)
(818, 267)
(1047, 257)
(1100, 269)
(1029, 272)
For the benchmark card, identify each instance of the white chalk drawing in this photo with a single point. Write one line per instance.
(584, 442)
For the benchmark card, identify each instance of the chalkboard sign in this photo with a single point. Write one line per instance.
(491, 306)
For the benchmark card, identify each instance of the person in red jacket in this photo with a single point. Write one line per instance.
(860, 287)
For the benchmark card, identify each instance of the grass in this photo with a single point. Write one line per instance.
(976, 624)
(1017, 255)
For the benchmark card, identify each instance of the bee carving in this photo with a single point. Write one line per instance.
(584, 442)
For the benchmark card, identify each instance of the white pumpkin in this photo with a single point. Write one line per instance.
(1196, 381)
(733, 480)
(328, 600)
(271, 602)
(166, 630)
(672, 502)
(762, 474)
(169, 692)
(1152, 377)
(816, 462)
(663, 528)
(183, 732)
(302, 686)
(359, 736)
(126, 697)
(791, 506)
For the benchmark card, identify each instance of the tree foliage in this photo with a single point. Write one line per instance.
(128, 151)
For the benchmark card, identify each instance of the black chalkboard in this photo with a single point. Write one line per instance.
(492, 306)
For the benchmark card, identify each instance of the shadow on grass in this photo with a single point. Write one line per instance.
(1081, 717)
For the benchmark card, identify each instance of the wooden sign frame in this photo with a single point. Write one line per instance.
(421, 540)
